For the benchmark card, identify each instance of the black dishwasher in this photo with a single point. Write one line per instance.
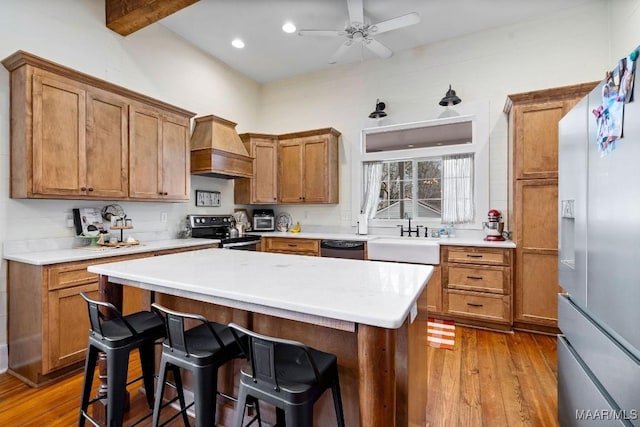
(351, 249)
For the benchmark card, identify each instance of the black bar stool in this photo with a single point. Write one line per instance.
(201, 350)
(117, 337)
(288, 375)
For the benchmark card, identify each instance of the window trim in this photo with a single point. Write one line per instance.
(479, 147)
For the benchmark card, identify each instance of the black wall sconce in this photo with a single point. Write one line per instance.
(450, 98)
(379, 112)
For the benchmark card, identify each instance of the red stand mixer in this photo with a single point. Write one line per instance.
(494, 226)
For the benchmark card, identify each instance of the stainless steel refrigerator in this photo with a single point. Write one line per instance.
(599, 267)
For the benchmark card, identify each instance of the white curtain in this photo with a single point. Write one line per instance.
(457, 188)
(372, 183)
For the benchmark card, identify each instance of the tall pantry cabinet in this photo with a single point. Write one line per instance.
(533, 200)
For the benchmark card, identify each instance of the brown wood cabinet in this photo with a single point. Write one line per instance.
(88, 125)
(262, 188)
(308, 167)
(477, 285)
(107, 145)
(431, 300)
(291, 245)
(158, 151)
(48, 320)
(533, 200)
(71, 136)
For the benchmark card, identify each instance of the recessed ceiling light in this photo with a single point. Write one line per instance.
(288, 27)
(237, 43)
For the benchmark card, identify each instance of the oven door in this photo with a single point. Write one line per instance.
(242, 246)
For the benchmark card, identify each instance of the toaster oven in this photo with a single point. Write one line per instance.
(264, 220)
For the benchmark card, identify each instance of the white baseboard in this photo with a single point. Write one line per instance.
(4, 358)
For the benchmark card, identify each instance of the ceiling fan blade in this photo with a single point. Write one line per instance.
(378, 48)
(356, 11)
(322, 33)
(395, 23)
(341, 51)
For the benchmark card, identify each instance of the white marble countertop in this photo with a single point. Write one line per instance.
(471, 240)
(37, 253)
(292, 286)
(56, 256)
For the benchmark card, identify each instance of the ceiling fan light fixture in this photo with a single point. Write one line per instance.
(379, 111)
(289, 27)
(450, 98)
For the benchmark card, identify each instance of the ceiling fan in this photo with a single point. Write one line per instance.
(359, 32)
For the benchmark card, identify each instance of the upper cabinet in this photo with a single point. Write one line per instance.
(299, 167)
(262, 187)
(158, 153)
(308, 167)
(77, 137)
(533, 121)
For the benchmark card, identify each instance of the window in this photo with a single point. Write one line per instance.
(433, 172)
(405, 193)
(434, 188)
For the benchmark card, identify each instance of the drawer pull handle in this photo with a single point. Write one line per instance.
(474, 304)
(474, 277)
(292, 245)
(473, 256)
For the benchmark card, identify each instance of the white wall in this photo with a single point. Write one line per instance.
(152, 61)
(566, 48)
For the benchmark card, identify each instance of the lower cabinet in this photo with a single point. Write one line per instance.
(477, 285)
(295, 246)
(48, 320)
(431, 301)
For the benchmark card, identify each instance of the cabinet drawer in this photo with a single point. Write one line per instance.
(496, 308)
(75, 274)
(293, 246)
(483, 279)
(478, 256)
(68, 275)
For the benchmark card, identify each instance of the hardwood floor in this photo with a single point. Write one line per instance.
(489, 380)
(492, 379)
(58, 404)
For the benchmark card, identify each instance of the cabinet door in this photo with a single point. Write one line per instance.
(145, 153)
(316, 166)
(264, 184)
(107, 154)
(59, 138)
(67, 327)
(537, 138)
(537, 252)
(537, 288)
(176, 182)
(290, 189)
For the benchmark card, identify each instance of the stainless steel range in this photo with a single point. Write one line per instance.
(220, 227)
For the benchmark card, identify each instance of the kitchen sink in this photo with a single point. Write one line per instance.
(404, 249)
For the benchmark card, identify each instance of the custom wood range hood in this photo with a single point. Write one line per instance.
(217, 150)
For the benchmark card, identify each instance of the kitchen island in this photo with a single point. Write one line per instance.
(365, 312)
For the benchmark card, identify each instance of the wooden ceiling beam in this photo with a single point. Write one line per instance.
(128, 16)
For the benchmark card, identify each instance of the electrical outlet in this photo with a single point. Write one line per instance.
(69, 221)
(163, 217)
